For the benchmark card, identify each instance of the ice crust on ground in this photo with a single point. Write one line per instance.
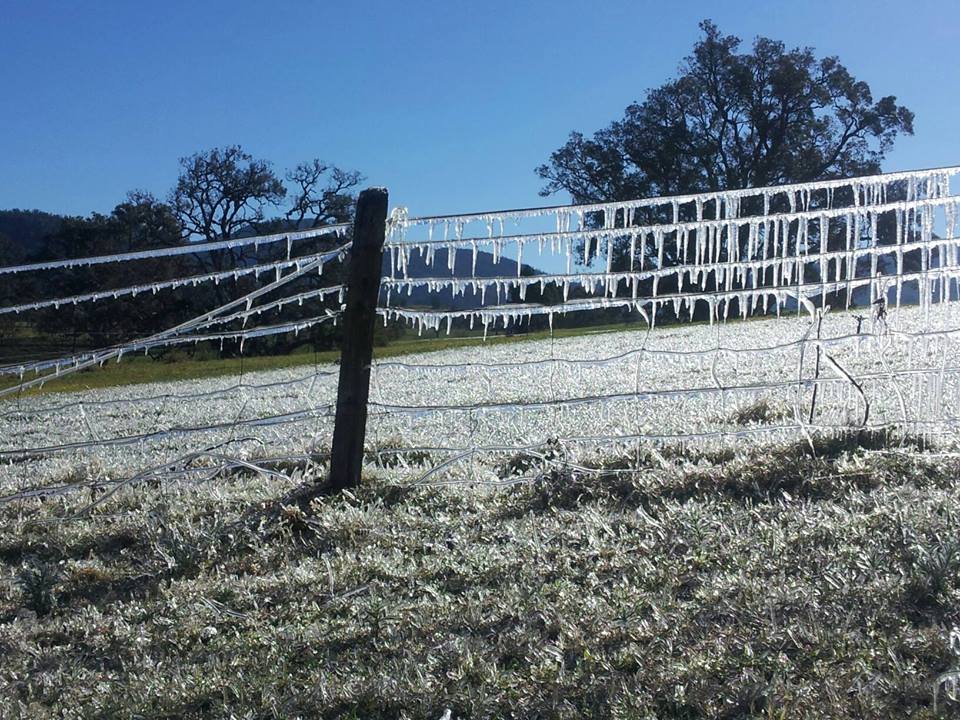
(593, 393)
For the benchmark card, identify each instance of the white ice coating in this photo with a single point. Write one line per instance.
(866, 191)
(780, 226)
(718, 302)
(188, 249)
(588, 395)
(781, 256)
(294, 326)
(63, 366)
(297, 299)
(172, 284)
(725, 274)
(654, 385)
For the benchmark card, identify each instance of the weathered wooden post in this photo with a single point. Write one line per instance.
(356, 353)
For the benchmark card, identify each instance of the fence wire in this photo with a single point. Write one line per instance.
(862, 274)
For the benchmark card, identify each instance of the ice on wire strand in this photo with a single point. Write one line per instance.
(787, 255)
(153, 288)
(720, 247)
(340, 230)
(861, 192)
(62, 366)
(717, 252)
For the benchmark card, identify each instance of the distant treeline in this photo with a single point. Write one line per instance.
(220, 194)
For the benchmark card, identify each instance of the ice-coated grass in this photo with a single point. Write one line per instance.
(676, 381)
(779, 581)
(774, 575)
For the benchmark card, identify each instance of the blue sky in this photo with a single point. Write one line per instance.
(451, 105)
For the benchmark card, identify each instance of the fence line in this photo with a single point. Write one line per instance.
(171, 284)
(69, 365)
(867, 186)
(188, 249)
(809, 243)
(181, 397)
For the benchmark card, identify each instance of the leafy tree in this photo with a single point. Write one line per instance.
(225, 192)
(10, 252)
(28, 229)
(142, 222)
(730, 120)
(219, 193)
(733, 120)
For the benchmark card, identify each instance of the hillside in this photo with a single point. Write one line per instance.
(444, 299)
(26, 229)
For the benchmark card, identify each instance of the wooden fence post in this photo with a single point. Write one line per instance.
(356, 352)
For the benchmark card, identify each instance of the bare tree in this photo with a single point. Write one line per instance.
(322, 192)
(223, 190)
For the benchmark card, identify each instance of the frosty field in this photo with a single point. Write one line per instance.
(815, 579)
(641, 525)
(592, 394)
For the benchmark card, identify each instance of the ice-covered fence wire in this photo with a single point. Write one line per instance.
(386, 409)
(172, 284)
(889, 335)
(294, 326)
(69, 365)
(59, 408)
(297, 299)
(864, 191)
(718, 303)
(296, 416)
(724, 274)
(698, 242)
(338, 230)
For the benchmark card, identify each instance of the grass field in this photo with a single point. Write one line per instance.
(816, 578)
(136, 370)
(778, 582)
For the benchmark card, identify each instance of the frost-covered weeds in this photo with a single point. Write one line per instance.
(792, 581)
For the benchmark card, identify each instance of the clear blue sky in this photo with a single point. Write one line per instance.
(450, 104)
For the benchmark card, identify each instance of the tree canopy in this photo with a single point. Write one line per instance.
(321, 191)
(733, 119)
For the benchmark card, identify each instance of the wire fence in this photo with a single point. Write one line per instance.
(861, 274)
